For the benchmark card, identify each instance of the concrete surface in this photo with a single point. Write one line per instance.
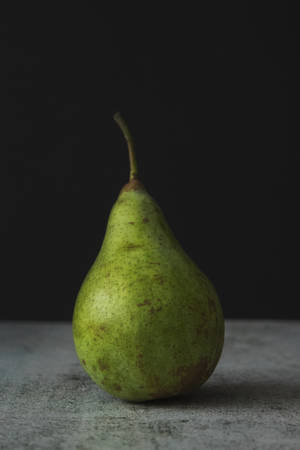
(252, 401)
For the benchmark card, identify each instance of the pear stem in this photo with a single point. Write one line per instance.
(132, 160)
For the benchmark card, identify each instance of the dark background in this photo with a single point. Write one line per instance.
(205, 94)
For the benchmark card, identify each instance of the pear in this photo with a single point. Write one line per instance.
(147, 323)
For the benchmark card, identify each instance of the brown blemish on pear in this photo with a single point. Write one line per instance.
(102, 365)
(97, 330)
(131, 246)
(139, 361)
(159, 278)
(153, 310)
(144, 303)
(192, 375)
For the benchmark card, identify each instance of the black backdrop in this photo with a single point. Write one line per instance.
(205, 94)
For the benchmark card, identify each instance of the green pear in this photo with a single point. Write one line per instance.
(147, 322)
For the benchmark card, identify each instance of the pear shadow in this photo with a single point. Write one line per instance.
(222, 392)
(243, 394)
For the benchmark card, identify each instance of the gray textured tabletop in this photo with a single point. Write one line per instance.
(252, 401)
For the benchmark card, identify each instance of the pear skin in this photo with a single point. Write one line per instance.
(147, 323)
